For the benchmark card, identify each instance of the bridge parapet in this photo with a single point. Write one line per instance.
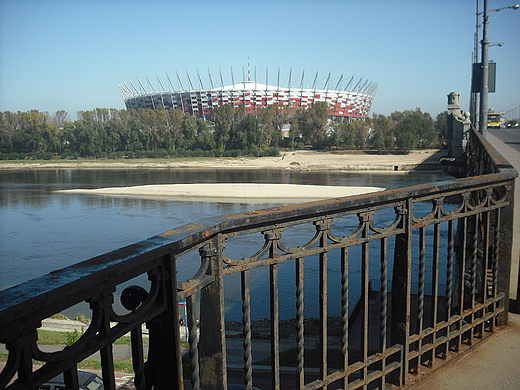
(411, 277)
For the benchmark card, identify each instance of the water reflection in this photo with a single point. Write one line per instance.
(30, 186)
(41, 230)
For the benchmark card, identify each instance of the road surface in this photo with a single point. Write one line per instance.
(510, 137)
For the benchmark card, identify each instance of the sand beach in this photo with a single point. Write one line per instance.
(427, 159)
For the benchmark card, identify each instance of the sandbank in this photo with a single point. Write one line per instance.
(231, 192)
(301, 160)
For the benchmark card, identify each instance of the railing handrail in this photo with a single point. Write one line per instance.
(102, 267)
(500, 162)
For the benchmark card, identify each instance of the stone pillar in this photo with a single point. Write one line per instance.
(458, 124)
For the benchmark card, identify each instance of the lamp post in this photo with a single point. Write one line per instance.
(485, 65)
(474, 97)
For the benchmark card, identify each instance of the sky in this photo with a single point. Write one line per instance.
(72, 55)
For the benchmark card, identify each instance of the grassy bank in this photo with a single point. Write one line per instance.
(49, 337)
(120, 365)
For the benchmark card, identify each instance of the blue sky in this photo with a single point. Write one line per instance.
(72, 54)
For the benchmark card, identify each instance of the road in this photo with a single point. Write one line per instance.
(510, 137)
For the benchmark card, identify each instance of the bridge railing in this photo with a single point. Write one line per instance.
(356, 291)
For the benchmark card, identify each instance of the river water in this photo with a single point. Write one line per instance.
(42, 230)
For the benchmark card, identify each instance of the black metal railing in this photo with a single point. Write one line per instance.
(376, 288)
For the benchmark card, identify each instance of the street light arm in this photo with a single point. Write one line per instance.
(516, 6)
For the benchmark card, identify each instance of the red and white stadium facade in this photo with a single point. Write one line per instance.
(345, 103)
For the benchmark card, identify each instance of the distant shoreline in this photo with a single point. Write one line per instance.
(423, 160)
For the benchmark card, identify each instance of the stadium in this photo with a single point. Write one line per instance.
(349, 98)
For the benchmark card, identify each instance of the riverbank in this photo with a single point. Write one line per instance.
(301, 160)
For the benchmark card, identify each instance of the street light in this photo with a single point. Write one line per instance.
(485, 65)
(474, 95)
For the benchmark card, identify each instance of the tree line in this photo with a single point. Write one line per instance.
(112, 133)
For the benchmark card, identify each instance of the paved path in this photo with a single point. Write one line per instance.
(513, 156)
(492, 364)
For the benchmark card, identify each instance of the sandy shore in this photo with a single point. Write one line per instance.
(231, 192)
(298, 160)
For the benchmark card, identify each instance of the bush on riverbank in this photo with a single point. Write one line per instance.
(142, 154)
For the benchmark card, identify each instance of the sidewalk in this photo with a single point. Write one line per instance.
(513, 157)
(494, 362)
(491, 364)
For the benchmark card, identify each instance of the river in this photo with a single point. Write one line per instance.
(42, 230)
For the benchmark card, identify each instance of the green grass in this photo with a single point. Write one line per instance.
(48, 337)
(145, 160)
(120, 365)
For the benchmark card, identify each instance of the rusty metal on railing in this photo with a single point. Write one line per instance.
(412, 276)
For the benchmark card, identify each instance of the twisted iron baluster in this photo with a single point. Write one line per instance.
(449, 273)
(449, 280)
(495, 265)
(365, 219)
(194, 342)
(384, 294)
(422, 273)
(246, 322)
(344, 312)
(300, 341)
(473, 273)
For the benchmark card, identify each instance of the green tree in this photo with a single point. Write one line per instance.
(362, 133)
(348, 135)
(133, 138)
(50, 141)
(407, 130)
(111, 139)
(10, 124)
(428, 134)
(413, 129)
(205, 140)
(85, 138)
(30, 137)
(341, 134)
(313, 124)
(68, 138)
(254, 137)
(294, 131)
(154, 138)
(239, 113)
(440, 125)
(406, 141)
(189, 132)
(60, 117)
(173, 131)
(223, 117)
(382, 138)
(271, 121)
